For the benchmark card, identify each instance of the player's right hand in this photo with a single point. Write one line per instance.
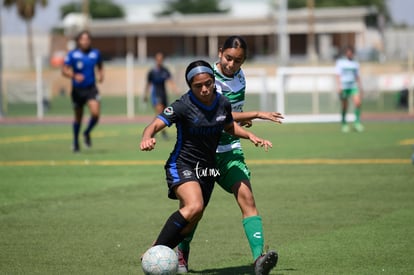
(147, 144)
(78, 77)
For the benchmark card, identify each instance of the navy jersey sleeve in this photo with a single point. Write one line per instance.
(172, 113)
(167, 73)
(149, 76)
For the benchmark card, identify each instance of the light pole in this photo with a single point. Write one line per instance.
(283, 41)
(1, 65)
(313, 58)
(85, 12)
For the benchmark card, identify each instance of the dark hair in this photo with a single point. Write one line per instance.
(235, 42)
(194, 64)
(349, 48)
(79, 35)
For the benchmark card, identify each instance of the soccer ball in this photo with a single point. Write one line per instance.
(160, 260)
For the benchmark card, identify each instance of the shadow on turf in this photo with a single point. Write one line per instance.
(239, 270)
(235, 270)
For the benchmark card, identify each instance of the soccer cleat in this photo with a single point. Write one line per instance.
(358, 127)
(182, 261)
(345, 128)
(87, 140)
(75, 148)
(265, 263)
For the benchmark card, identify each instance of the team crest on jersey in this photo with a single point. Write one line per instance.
(79, 65)
(220, 118)
(168, 111)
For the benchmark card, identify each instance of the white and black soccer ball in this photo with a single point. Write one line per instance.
(160, 260)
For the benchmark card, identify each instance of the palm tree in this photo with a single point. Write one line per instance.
(26, 10)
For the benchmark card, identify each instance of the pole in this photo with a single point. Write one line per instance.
(410, 84)
(1, 65)
(311, 32)
(130, 85)
(39, 87)
(283, 42)
(85, 12)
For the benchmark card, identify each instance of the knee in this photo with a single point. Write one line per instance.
(194, 211)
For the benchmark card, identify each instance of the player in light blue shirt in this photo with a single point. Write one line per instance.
(349, 83)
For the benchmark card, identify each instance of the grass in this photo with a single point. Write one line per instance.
(296, 103)
(331, 203)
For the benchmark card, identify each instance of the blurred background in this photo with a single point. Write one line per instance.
(293, 46)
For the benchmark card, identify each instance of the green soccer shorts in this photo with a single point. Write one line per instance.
(347, 93)
(232, 169)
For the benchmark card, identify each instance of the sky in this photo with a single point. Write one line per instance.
(401, 11)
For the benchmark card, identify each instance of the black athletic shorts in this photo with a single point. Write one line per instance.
(80, 96)
(179, 175)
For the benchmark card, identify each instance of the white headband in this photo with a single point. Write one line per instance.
(198, 70)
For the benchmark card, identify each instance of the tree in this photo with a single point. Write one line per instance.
(26, 10)
(379, 4)
(192, 6)
(103, 9)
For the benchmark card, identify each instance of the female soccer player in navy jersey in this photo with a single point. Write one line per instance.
(200, 116)
(234, 173)
(79, 66)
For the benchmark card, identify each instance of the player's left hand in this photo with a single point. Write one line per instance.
(261, 142)
(272, 116)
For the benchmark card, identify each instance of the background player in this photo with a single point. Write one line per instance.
(157, 79)
(349, 83)
(79, 66)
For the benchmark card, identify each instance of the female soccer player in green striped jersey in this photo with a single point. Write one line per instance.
(234, 173)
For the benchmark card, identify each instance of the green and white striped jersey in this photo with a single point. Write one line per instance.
(234, 88)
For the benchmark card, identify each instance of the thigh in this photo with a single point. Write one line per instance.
(232, 168)
(78, 98)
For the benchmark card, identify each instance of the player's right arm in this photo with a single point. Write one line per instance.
(148, 140)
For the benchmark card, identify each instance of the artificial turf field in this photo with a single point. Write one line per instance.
(331, 203)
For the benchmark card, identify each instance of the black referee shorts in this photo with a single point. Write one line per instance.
(80, 96)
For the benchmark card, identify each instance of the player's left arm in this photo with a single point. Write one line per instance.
(236, 130)
(100, 70)
(359, 83)
(248, 116)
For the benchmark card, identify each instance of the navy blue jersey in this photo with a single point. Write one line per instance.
(84, 63)
(157, 77)
(199, 128)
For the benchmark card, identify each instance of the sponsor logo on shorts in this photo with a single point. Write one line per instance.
(187, 173)
(206, 172)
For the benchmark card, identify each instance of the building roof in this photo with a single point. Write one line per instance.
(326, 20)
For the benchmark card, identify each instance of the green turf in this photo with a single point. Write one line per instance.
(97, 211)
(296, 103)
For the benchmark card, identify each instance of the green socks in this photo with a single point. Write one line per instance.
(184, 245)
(357, 115)
(254, 232)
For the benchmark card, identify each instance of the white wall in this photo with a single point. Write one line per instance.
(15, 51)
